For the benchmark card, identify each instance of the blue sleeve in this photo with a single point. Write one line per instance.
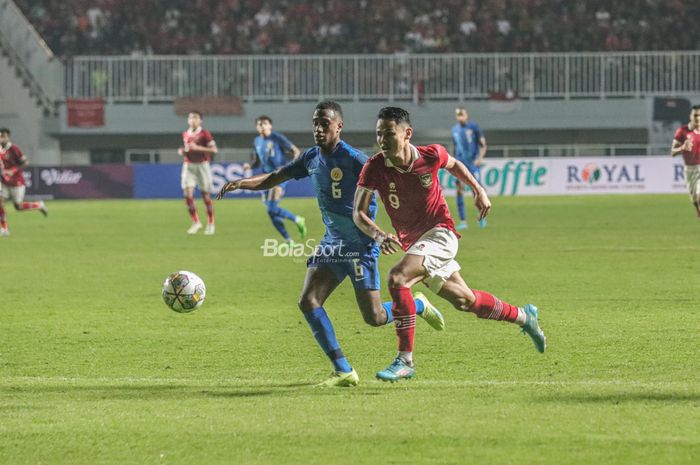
(360, 159)
(282, 140)
(296, 168)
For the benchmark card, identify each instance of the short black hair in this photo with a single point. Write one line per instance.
(692, 109)
(263, 118)
(5, 131)
(196, 112)
(396, 114)
(330, 105)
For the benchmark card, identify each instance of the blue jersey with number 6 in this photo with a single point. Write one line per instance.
(334, 178)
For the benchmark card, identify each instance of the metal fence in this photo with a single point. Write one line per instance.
(276, 78)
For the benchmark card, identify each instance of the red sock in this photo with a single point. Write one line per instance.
(404, 312)
(29, 206)
(489, 307)
(3, 223)
(210, 210)
(192, 209)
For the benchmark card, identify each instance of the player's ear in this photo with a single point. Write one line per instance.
(409, 132)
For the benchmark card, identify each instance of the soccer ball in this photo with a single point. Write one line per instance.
(184, 291)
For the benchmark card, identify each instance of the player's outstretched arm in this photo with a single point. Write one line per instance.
(260, 182)
(388, 243)
(481, 200)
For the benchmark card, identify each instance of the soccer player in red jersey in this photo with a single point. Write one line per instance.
(406, 178)
(197, 150)
(686, 142)
(12, 160)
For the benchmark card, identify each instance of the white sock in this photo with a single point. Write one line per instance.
(521, 319)
(406, 357)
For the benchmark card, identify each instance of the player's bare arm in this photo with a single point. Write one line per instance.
(481, 200)
(254, 162)
(295, 152)
(482, 150)
(211, 148)
(677, 148)
(388, 243)
(260, 182)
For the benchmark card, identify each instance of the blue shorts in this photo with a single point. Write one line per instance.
(361, 268)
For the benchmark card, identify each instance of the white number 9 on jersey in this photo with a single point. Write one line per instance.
(394, 201)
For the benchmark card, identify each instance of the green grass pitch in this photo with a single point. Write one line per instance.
(94, 369)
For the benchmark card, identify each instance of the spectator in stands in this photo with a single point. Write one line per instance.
(73, 27)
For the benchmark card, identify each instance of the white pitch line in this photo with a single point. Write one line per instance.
(275, 383)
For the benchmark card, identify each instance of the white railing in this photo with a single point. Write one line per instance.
(384, 77)
(28, 52)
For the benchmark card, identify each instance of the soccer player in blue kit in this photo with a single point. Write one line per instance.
(345, 251)
(270, 150)
(469, 148)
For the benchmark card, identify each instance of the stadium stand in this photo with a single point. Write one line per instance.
(112, 27)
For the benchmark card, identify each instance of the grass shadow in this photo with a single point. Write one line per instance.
(620, 397)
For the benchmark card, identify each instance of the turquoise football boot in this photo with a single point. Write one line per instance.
(532, 328)
(398, 370)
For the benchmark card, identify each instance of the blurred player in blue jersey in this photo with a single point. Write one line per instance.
(270, 150)
(469, 148)
(345, 251)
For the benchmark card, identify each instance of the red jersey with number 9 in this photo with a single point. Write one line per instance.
(412, 195)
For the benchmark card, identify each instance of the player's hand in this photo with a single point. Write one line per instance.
(482, 203)
(388, 243)
(246, 167)
(228, 187)
(181, 151)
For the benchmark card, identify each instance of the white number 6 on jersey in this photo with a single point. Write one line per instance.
(335, 190)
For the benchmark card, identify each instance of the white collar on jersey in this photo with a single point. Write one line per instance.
(6, 148)
(415, 155)
(196, 131)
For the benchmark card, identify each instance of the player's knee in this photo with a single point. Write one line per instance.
(307, 303)
(397, 278)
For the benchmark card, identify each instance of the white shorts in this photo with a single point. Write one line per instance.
(196, 175)
(438, 247)
(692, 178)
(13, 193)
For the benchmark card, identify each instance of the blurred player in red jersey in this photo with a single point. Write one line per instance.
(198, 148)
(12, 160)
(686, 142)
(406, 178)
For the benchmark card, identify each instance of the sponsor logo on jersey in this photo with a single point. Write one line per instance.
(426, 179)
